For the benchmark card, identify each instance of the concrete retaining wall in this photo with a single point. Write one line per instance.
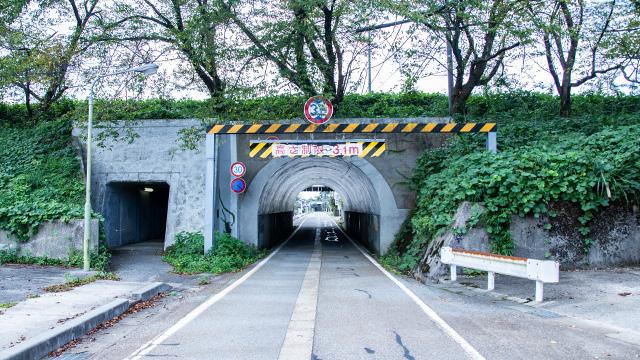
(365, 228)
(54, 239)
(154, 157)
(274, 228)
(615, 232)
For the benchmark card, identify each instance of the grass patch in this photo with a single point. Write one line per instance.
(7, 305)
(229, 254)
(73, 282)
(99, 259)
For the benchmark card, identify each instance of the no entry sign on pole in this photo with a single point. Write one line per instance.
(238, 185)
(238, 169)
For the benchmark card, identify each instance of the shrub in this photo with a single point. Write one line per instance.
(99, 259)
(230, 254)
(588, 170)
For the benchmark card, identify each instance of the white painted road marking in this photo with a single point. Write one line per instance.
(468, 348)
(298, 342)
(149, 346)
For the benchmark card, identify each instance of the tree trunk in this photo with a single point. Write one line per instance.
(565, 100)
(459, 101)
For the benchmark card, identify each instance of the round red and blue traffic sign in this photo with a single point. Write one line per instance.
(238, 185)
(318, 110)
(238, 169)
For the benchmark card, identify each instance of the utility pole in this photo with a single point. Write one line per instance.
(400, 22)
(369, 64)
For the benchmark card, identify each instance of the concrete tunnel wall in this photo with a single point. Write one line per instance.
(371, 213)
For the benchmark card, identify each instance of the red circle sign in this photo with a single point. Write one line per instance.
(238, 169)
(238, 185)
(318, 110)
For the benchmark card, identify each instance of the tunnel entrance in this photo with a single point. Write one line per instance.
(135, 212)
(357, 185)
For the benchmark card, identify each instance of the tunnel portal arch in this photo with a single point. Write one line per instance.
(370, 211)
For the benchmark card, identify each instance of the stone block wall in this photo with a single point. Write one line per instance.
(615, 234)
(54, 239)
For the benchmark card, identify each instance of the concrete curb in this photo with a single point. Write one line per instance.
(43, 344)
(48, 341)
(149, 291)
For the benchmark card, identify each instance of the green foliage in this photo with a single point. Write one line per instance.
(229, 254)
(73, 282)
(40, 177)
(502, 107)
(588, 170)
(99, 259)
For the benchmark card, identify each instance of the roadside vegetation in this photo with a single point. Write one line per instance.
(72, 282)
(99, 259)
(588, 161)
(229, 254)
(7, 305)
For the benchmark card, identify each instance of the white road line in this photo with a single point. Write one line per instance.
(298, 341)
(149, 346)
(468, 348)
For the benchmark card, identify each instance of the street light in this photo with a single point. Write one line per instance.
(146, 69)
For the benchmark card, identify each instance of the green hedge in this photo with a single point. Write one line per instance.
(229, 254)
(497, 106)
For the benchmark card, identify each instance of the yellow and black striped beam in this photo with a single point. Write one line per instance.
(263, 150)
(353, 128)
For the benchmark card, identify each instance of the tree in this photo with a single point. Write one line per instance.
(574, 34)
(480, 34)
(626, 43)
(37, 52)
(197, 30)
(313, 44)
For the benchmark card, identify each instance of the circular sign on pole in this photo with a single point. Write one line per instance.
(318, 110)
(238, 169)
(238, 185)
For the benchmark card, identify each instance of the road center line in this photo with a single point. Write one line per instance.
(298, 341)
(149, 346)
(468, 348)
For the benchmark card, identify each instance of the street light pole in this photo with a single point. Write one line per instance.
(147, 69)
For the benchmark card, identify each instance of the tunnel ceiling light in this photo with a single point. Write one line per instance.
(148, 189)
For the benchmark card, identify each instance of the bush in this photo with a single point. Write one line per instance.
(229, 254)
(99, 259)
(588, 170)
(40, 177)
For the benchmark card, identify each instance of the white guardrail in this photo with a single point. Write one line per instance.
(542, 271)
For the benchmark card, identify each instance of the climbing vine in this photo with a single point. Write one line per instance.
(588, 170)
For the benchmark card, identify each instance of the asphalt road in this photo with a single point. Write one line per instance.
(321, 297)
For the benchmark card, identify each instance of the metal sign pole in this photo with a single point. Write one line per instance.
(210, 193)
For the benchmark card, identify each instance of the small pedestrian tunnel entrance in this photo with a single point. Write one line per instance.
(135, 212)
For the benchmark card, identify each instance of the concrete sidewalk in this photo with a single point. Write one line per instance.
(604, 297)
(33, 316)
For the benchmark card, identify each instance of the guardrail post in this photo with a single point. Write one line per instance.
(492, 142)
(454, 273)
(491, 279)
(539, 290)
